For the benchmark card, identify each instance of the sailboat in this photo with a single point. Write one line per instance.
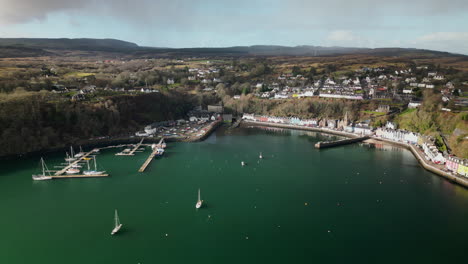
(117, 224)
(43, 176)
(199, 202)
(95, 171)
(71, 157)
(242, 163)
(79, 154)
(261, 156)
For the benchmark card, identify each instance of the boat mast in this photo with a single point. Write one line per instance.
(71, 152)
(87, 162)
(95, 165)
(116, 218)
(43, 167)
(199, 195)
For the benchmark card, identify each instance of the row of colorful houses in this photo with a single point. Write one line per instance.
(398, 135)
(281, 120)
(457, 165)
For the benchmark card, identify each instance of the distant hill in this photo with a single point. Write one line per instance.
(23, 47)
(68, 44)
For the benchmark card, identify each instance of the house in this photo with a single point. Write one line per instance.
(170, 81)
(407, 91)
(439, 77)
(248, 117)
(430, 86)
(414, 104)
(390, 125)
(363, 129)
(192, 78)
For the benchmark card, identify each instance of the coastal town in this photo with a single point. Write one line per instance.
(425, 145)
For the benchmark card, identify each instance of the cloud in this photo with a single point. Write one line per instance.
(341, 36)
(444, 41)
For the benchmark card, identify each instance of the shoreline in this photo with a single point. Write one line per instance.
(429, 167)
(113, 142)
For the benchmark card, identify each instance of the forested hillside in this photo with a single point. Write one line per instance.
(37, 121)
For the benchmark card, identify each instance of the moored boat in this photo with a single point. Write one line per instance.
(43, 176)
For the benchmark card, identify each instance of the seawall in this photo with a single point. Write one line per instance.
(453, 178)
(329, 144)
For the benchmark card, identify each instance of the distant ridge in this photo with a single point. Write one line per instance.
(66, 43)
(25, 47)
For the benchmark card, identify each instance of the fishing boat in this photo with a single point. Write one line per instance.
(117, 224)
(199, 201)
(43, 176)
(95, 171)
(261, 156)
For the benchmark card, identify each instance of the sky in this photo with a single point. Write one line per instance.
(428, 24)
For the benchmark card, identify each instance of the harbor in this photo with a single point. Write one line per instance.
(295, 193)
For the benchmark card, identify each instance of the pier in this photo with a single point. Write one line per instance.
(78, 176)
(154, 151)
(62, 171)
(131, 152)
(329, 144)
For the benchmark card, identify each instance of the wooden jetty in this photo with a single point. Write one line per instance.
(78, 176)
(161, 144)
(132, 152)
(80, 159)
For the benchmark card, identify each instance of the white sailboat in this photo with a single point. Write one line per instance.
(95, 171)
(242, 163)
(71, 157)
(79, 154)
(261, 156)
(43, 176)
(199, 201)
(117, 224)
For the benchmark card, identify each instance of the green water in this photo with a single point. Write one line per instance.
(350, 204)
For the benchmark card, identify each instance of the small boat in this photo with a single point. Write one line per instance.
(86, 158)
(79, 154)
(242, 163)
(261, 156)
(95, 171)
(72, 171)
(43, 176)
(199, 201)
(68, 158)
(117, 224)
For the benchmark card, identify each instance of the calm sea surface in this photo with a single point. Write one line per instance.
(350, 204)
